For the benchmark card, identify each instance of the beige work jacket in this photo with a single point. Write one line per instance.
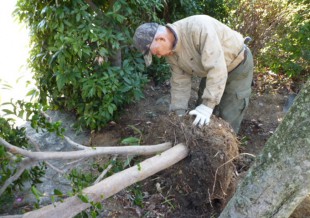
(206, 48)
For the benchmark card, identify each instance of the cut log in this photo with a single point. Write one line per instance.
(112, 185)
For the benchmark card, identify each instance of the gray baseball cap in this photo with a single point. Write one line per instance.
(143, 39)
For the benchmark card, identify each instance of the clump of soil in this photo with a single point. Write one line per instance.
(198, 186)
(206, 176)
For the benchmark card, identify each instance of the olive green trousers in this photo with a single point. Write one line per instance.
(235, 99)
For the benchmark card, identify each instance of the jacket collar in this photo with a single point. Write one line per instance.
(177, 44)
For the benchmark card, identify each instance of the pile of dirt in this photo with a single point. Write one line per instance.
(199, 185)
(207, 176)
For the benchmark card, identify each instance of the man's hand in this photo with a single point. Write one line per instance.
(203, 114)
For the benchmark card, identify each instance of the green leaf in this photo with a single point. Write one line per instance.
(98, 206)
(36, 192)
(130, 141)
(93, 214)
(84, 7)
(110, 109)
(103, 52)
(2, 152)
(139, 166)
(127, 80)
(44, 10)
(83, 198)
(125, 89)
(54, 56)
(31, 92)
(79, 53)
(57, 192)
(7, 103)
(61, 28)
(6, 87)
(41, 24)
(91, 92)
(21, 114)
(120, 18)
(53, 200)
(78, 17)
(60, 79)
(67, 23)
(7, 111)
(116, 7)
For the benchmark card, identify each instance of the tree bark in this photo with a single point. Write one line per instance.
(279, 179)
(112, 185)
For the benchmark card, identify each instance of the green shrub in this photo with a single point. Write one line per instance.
(82, 55)
(9, 164)
(280, 31)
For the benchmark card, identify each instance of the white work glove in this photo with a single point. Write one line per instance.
(203, 114)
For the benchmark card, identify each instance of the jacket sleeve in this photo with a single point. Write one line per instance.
(213, 61)
(180, 88)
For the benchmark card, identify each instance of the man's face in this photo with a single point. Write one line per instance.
(161, 47)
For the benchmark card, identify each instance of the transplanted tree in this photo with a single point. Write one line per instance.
(279, 180)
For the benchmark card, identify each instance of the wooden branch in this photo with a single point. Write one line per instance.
(121, 150)
(77, 145)
(26, 163)
(105, 171)
(37, 146)
(112, 185)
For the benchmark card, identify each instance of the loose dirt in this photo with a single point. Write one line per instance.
(207, 175)
(200, 185)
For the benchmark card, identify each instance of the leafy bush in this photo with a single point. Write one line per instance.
(12, 164)
(8, 163)
(82, 55)
(280, 32)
